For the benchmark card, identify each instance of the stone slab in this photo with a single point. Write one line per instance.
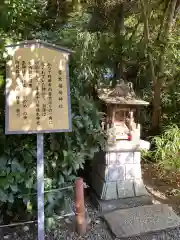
(140, 188)
(124, 157)
(105, 190)
(108, 190)
(142, 220)
(128, 146)
(111, 173)
(125, 189)
(98, 185)
(116, 158)
(110, 205)
(133, 171)
(137, 158)
(111, 191)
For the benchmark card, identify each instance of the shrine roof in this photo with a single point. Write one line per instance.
(122, 94)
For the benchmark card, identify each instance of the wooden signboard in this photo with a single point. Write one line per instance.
(37, 89)
(37, 100)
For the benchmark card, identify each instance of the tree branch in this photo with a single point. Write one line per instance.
(163, 19)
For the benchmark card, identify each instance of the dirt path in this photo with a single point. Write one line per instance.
(164, 189)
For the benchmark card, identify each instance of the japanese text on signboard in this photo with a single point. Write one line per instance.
(37, 90)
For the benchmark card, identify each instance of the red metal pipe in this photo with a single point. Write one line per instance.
(81, 224)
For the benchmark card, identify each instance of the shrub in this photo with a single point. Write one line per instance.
(167, 148)
(65, 154)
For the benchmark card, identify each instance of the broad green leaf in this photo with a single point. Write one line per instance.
(10, 198)
(14, 188)
(3, 196)
(17, 167)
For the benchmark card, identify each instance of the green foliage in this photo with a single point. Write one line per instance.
(167, 148)
(171, 91)
(20, 19)
(16, 177)
(96, 53)
(65, 153)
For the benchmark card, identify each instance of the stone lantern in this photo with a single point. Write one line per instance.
(116, 170)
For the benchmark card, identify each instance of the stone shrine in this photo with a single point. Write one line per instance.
(116, 180)
(116, 171)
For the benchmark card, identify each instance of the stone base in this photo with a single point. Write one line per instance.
(142, 221)
(111, 205)
(134, 146)
(118, 189)
(117, 175)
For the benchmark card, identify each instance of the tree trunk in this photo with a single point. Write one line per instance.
(147, 38)
(119, 32)
(160, 76)
(177, 11)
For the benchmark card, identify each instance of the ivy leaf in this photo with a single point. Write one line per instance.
(61, 179)
(72, 178)
(17, 167)
(3, 196)
(79, 124)
(25, 200)
(14, 188)
(50, 222)
(10, 198)
(3, 162)
(65, 153)
(2, 173)
(51, 197)
(29, 183)
(29, 206)
(69, 171)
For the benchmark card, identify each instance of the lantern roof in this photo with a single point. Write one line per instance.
(122, 94)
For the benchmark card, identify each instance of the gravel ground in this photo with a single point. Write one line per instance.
(65, 229)
(97, 229)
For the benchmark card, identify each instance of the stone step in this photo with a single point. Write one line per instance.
(144, 222)
(105, 206)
